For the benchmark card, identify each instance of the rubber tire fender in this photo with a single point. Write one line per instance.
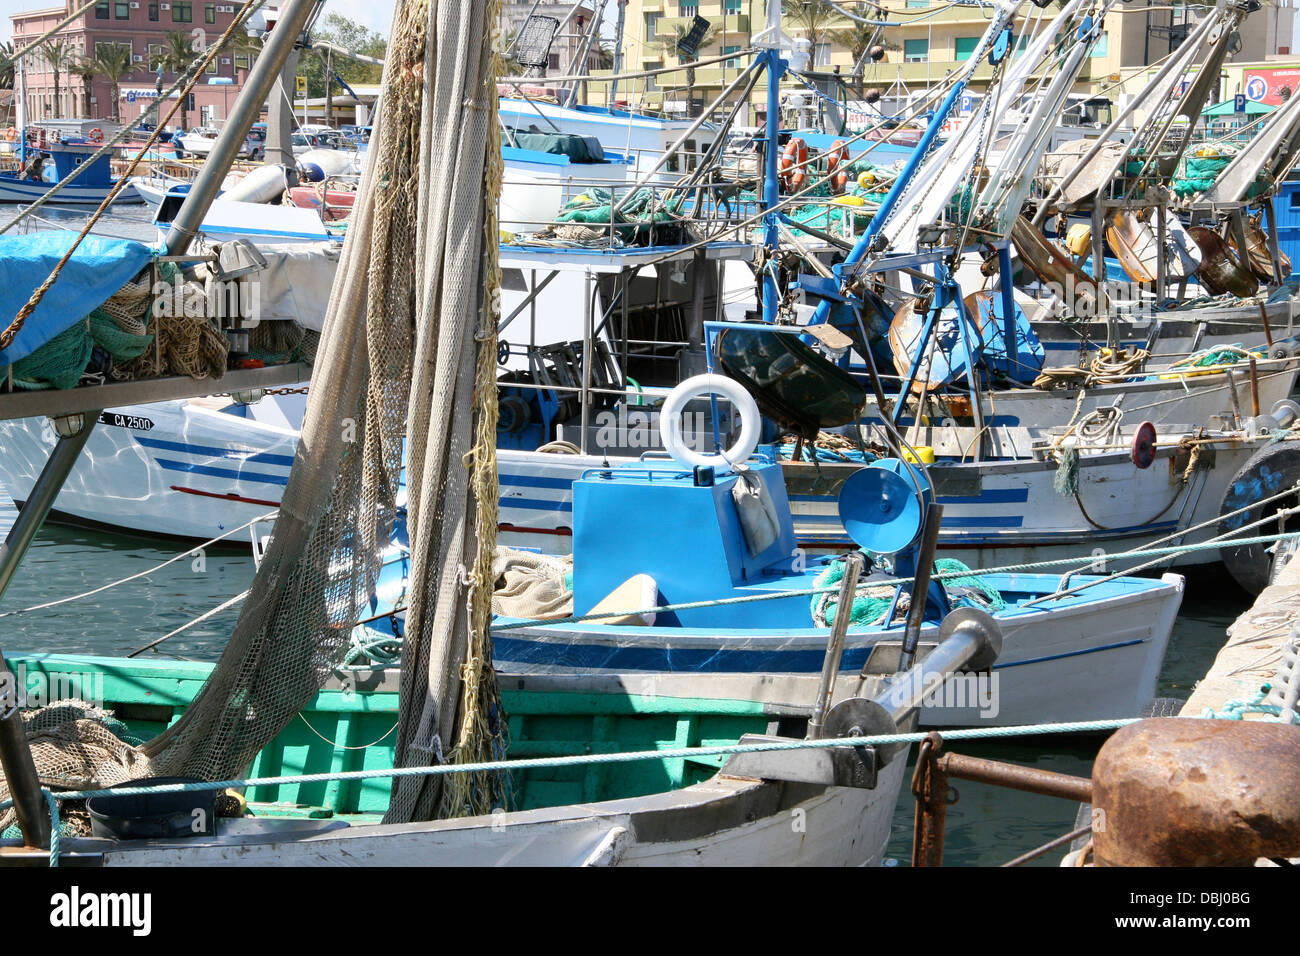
(1269, 470)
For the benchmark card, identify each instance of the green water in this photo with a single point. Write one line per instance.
(986, 826)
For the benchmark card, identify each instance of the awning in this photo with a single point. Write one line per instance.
(1227, 108)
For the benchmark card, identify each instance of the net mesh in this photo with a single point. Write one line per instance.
(76, 745)
(533, 45)
(409, 332)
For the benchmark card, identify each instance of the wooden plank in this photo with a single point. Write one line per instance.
(51, 402)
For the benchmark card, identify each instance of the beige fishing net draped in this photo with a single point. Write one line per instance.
(407, 352)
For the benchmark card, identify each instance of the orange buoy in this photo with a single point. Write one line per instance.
(96, 135)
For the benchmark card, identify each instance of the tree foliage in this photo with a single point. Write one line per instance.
(349, 35)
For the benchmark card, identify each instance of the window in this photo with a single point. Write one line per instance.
(182, 13)
(689, 8)
(153, 12)
(155, 54)
(964, 47)
(243, 61)
(821, 54)
(917, 4)
(121, 10)
(732, 7)
(101, 10)
(1102, 47)
(733, 63)
(211, 68)
(209, 13)
(916, 51)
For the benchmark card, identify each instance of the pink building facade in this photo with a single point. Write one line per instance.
(143, 26)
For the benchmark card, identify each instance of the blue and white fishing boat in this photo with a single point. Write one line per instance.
(94, 180)
(696, 562)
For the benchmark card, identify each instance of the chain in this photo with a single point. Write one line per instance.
(300, 390)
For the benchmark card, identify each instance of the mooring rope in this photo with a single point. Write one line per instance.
(141, 574)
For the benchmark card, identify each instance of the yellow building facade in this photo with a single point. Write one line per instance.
(929, 43)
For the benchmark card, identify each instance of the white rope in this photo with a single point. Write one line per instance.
(140, 574)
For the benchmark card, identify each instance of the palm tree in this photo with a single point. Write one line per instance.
(113, 62)
(177, 56)
(816, 18)
(59, 56)
(85, 68)
(243, 44)
(668, 45)
(6, 66)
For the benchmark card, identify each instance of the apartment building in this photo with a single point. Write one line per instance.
(929, 42)
(142, 25)
(574, 19)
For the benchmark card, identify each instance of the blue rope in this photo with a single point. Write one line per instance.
(1237, 708)
(53, 804)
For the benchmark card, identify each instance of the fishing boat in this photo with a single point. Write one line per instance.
(674, 809)
(745, 589)
(94, 180)
(693, 810)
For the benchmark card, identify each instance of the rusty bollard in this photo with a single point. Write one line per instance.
(1188, 792)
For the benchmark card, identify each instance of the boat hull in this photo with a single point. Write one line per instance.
(1087, 659)
(671, 812)
(26, 191)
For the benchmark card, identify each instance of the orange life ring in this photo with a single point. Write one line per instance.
(11, 135)
(839, 153)
(96, 135)
(793, 159)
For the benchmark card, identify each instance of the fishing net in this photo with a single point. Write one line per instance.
(77, 746)
(115, 341)
(871, 601)
(406, 358)
(532, 586)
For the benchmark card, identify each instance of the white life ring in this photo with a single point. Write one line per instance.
(700, 386)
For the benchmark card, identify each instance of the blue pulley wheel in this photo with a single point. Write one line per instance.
(881, 509)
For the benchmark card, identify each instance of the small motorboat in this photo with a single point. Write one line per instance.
(50, 160)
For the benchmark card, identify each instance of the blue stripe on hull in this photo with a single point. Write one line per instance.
(211, 451)
(221, 472)
(509, 650)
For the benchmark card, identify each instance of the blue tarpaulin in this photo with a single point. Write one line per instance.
(98, 268)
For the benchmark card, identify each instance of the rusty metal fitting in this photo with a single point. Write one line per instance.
(1189, 792)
